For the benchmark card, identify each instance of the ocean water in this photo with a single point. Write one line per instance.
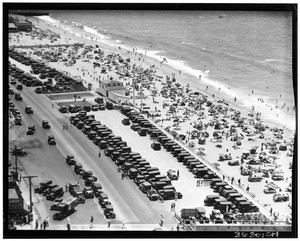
(239, 53)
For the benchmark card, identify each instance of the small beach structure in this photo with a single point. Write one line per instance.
(113, 90)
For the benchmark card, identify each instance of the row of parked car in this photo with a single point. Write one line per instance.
(50, 190)
(227, 204)
(228, 200)
(55, 193)
(15, 112)
(162, 140)
(24, 78)
(198, 169)
(63, 82)
(77, 108)
(92, 188)
(130, 162)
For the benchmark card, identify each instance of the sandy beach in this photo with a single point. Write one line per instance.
(228, 129)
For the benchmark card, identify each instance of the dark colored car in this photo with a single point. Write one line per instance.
(156, 146)
(126, 121)
(51, 140)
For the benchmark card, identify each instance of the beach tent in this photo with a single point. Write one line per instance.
(283, 147)
(238, 143)
(202, 140)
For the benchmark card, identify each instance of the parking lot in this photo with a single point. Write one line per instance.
(193, 196)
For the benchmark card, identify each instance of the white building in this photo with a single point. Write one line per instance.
(113, 90)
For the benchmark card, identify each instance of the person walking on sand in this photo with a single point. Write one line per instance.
(66, 187)
(99, 153)
(161, 223)
(36, 224)
(68, 226)
(92, 221)
(66, 126)
(123, 224)
(44, 224)
(108, 223)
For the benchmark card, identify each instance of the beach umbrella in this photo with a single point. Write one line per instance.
(283, 147)
(238, 143)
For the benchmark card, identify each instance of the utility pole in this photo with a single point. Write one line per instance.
(16, 163)
(15, 153)
(141, 90)
(30, 195)
(133, 93)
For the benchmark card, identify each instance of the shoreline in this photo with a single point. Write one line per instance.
(184, 78)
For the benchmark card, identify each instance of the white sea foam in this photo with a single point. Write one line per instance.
(95, 32)
(184, 43)
(270, 60)
(49, 19)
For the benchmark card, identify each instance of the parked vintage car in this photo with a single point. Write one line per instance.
(281, 197)
(172, 174)
(51, 140)
(126, 121)
(152, 195)
(156, 146)
(45, 124)
(28, 110)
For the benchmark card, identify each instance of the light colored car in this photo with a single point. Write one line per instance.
(172, 174)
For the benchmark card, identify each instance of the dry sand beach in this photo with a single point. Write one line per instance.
(227, 128)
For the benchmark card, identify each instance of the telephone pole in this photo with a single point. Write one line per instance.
(133, 93)
(30, 195)
(16, 163)
(15, 153)
(141, 94)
